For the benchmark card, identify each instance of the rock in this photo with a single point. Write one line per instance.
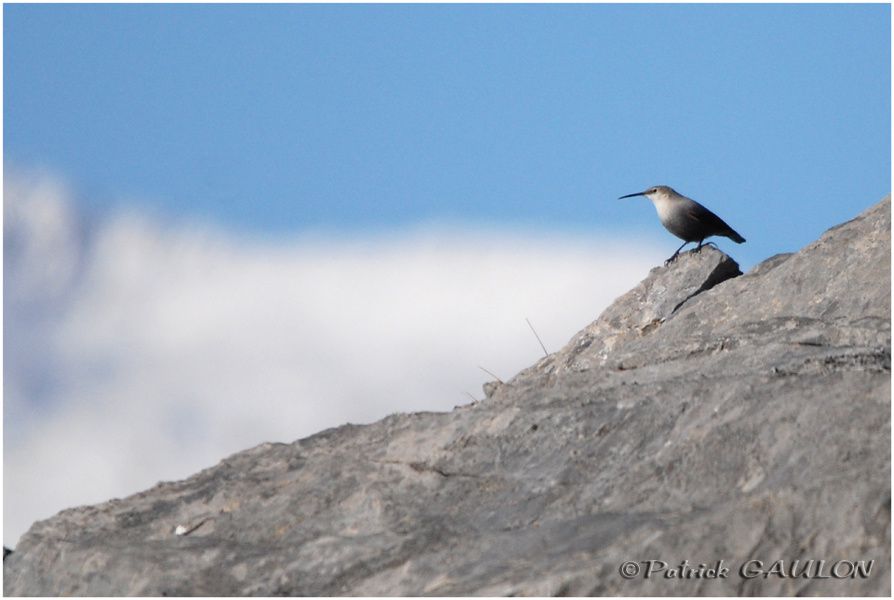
(703, 417)
(648, 305)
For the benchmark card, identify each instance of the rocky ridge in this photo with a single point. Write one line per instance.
(705, 415)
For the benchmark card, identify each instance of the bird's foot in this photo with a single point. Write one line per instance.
(672, 258)
(700, 246)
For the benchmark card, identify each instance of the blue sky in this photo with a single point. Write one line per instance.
(279, 119)
(232, 224)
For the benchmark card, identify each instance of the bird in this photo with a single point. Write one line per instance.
(686, 218)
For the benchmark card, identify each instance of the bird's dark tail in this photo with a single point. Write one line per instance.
(734, 236)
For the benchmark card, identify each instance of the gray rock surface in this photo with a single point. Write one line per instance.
(703, 416)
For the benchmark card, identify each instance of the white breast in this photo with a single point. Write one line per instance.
(663, 207)
(672, 214)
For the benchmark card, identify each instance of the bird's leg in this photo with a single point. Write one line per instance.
(674, 255)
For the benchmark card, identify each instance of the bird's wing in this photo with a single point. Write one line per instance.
(708, 220)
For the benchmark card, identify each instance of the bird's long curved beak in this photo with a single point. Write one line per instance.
(632, 195)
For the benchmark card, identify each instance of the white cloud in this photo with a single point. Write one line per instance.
(138, 351)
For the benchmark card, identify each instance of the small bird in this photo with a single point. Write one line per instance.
(686, 218)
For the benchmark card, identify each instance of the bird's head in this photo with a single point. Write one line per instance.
(654, 193)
